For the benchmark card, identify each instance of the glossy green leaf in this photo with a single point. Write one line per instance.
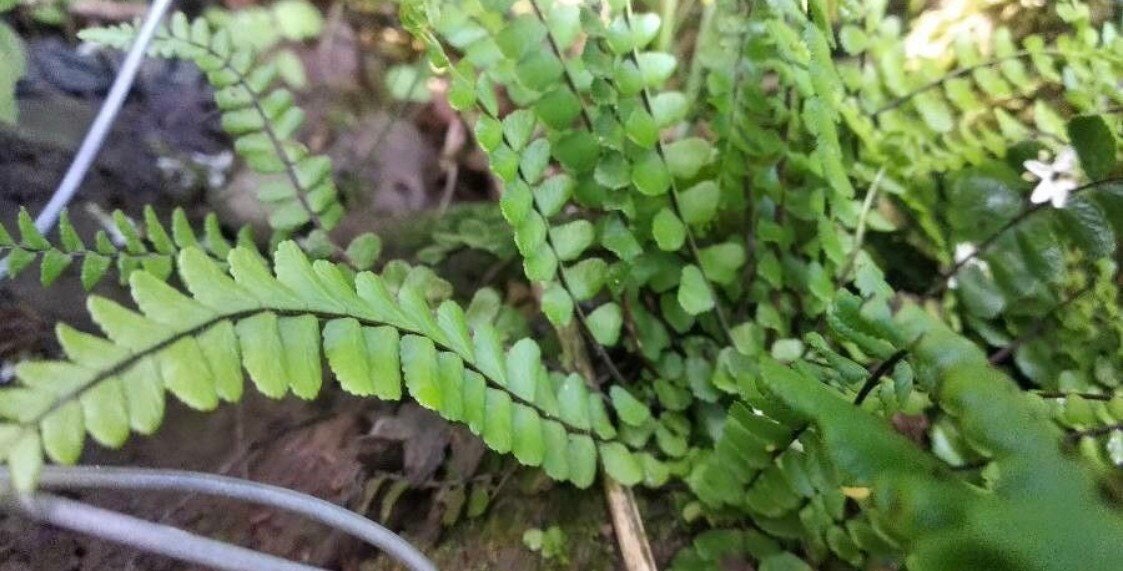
(1095, 145)
(694, 294)
(631, 410)
(686, 157)
(605, 323)
(669, 232)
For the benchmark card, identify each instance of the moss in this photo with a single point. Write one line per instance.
(495, 540)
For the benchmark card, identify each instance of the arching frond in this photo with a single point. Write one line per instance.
(376, 336)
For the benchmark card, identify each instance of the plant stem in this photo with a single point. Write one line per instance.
(631, 538)
(943, 279)
(1094, 432)
(691, 242)
(667, 30)
(1038, 328)
(957, 73)
(860, 233)
(1065, 395)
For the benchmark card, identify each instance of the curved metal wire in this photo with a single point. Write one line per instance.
(122, 478)
(95, 137)
(151, 537)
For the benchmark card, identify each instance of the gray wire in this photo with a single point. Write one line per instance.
(95, 137)
(153, 537)
(71, 477)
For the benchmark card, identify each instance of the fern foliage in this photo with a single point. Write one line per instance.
(945, 113)
(260, 115)
(376, 336)
(588, 136)
(725, 233)
(151, 246)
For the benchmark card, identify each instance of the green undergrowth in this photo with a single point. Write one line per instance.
(708, 236)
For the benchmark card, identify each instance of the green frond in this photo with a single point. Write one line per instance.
(587, 117)
(260, 116)
(747, 252)
(375, 336)
(948, 113)
(147, 246)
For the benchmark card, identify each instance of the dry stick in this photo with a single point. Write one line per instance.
(626, 521)
(106, 11)
(630, 534)
(631, 538)
(943, 279)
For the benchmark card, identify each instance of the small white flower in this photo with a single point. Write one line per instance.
(964, 251)
(1056, 180)
(967, 252)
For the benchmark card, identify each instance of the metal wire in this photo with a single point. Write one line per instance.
(75, 477)
(95, 137)
(152, 537)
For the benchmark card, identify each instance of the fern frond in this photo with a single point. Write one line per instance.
(1021, 255)
(559, 90)
(933, 119)
(533, 199)
(261, 117)
(374, 339)
(755, 469)
(149, 246)
(769, 465)
(710, 548)
(1003, 423)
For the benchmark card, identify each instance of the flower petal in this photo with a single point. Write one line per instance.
(1062, 188)
(1039, 169)
(1065, 161)
(964, 251)
(1043, 192)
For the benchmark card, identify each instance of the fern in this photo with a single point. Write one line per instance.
(970, 108)
(261, 117)
(998, 419)
(532, 63)
(150, 247)
(374, 339)
(724, 250)
(985, 101)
